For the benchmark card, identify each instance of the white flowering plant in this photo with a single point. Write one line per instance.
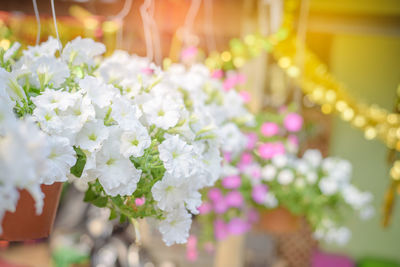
(138, 140)
(268, 174)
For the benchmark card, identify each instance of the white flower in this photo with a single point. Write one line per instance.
(48, 71)
(285, 177)
(270, 200)
(302, 166)
(100, 93)
(51, 99)
(313, 157)
(48, 48)
(11, 51)
(9, 85)
(125, 113)
(175, 227)
(268, 172)
(280, 161)
(340, 235)
(117, 174)
(311, 177)
(162, 112)
(177, 155)
(7, 117)
(135, 141)
(232, 139)
(82, 51)
(174, 193)
(92, 135)
(60, 160)
(328, 186)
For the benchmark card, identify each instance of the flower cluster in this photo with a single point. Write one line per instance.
(268, 174)
(139, 140)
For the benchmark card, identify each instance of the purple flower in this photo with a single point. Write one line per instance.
(231, 182)
(270, 129)
(259, 193)
(293, 122)
(238, 226)
(220, 206)
(234, 199)
(267, 150)
(220, 229)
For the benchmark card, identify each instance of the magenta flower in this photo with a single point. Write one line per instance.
(220, 206)
(217, 74)
(147, 71)
(140, 201)
(238, 226)
(220, 229)
(205, 208)
(251, 140)
(234, 199)
(189, 53)
(191, 248)
(215, 194)
(259, 193)
(279, 148)
(231, 182)
(245, 96)
(269, 129)
(252, 216)
(267, 150)
(228, 156)
(293, 122)
(229, 83)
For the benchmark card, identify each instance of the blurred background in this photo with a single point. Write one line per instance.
(358, 40)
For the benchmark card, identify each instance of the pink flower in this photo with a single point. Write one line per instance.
(252, 216)
(147, 71)
(232, 182)
(255, 173)
(251, 140)
(293, 122)
(259, 193)
(191, 248)
(234, 199)
(220, 229)
(293, 139)
(238, 226)
(267, 150)
(189, 53)
(217, 74)
(220, 206)
(215, 194)
(246, 158)
(240, 78)
(204, 208)
(140, 201)
(269, 129)
(228, 156)
(279, 148)
(229, 83)
(245, 96)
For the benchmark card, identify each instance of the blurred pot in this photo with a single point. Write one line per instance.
(24, 223)
(279, 221)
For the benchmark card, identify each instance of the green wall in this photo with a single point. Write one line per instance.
(370, 66)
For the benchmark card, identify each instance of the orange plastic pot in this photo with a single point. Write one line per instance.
(279, 221)
(24, 223)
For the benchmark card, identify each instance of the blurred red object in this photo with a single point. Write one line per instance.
(278, 221)
(24, 224)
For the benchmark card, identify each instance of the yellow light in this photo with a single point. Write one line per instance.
(293, 71)
(167, 63)
(359, 121)
(330, 96)
(226, 56)
(348, 114)
(5, 44)
(370, 133)
(341, 106)
(317, 94)
(238, 62)
(284, 62)
(392, 118)
(110, 26)
(326, 109)
(250, 40)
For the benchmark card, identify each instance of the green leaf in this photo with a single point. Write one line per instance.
(89, 195)
(77, 169)
(113, 215)
(122, 218)
(100, 202)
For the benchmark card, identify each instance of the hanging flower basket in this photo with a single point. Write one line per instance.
(279, 221)
(24, 223)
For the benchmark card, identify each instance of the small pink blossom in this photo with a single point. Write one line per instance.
(252, 139)
(231, 182)
(228, 156)
(234, 199)
(189, 53)
(246, 97)
(293, 122)
(204, 208)
(140, 201)
(252, 216)
(293, 139)
(259, 193)
(191, 248)
(269, 129)
(215, 194)
(255, 173)
(217, 74)
(279, 148)
(238, 226)
(229, 83)
(220, 229)
(220, 206)
(147, 71)
(267, 150)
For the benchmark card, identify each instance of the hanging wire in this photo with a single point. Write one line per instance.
(147, 31)
(39, 28)
(189, 20)
(55, 25)
(208, 26)
(120, 18)
(300, 45)
(155, 34)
